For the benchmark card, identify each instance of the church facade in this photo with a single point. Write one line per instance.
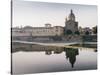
(70, 24)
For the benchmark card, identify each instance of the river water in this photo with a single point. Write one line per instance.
(38, 59)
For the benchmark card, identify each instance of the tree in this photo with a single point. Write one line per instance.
(94, 30)
(77, 32)
(86, 33)
(69, 32)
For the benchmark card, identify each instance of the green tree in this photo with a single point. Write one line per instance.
(77, 32)
(68, 32)
(86, 33)
(94, 30)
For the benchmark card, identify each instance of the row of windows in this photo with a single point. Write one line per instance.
(37, 31)
(19, 31)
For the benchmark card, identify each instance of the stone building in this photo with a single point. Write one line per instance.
(70, 23)
(47, 31)
(87, 30)
(38, 31)
(19, 32)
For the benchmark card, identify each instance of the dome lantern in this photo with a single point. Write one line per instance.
(71, 16)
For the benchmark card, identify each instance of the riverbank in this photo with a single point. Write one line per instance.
(60, 44)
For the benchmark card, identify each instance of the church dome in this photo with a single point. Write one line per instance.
(71, 16)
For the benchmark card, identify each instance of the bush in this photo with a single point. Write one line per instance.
(77, 32)
(86, 33)
(68, 32)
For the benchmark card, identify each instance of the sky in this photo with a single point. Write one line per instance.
(37, 14)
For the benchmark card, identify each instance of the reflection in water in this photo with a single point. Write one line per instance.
(48, 52)
(68, 54)
(95, 50)
(71, 54)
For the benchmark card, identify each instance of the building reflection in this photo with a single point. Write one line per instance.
(48, 52)
(71, 55)
(54, 50)
(39, 48)
(95, 50)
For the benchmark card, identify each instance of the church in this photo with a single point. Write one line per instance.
(71, 25)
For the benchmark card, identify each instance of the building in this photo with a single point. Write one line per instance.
(48, 30)
(19, 32)
(70, 23)
(85, 31)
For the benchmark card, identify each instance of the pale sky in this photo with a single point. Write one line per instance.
(36, 14)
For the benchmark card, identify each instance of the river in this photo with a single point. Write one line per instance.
(39, 59)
